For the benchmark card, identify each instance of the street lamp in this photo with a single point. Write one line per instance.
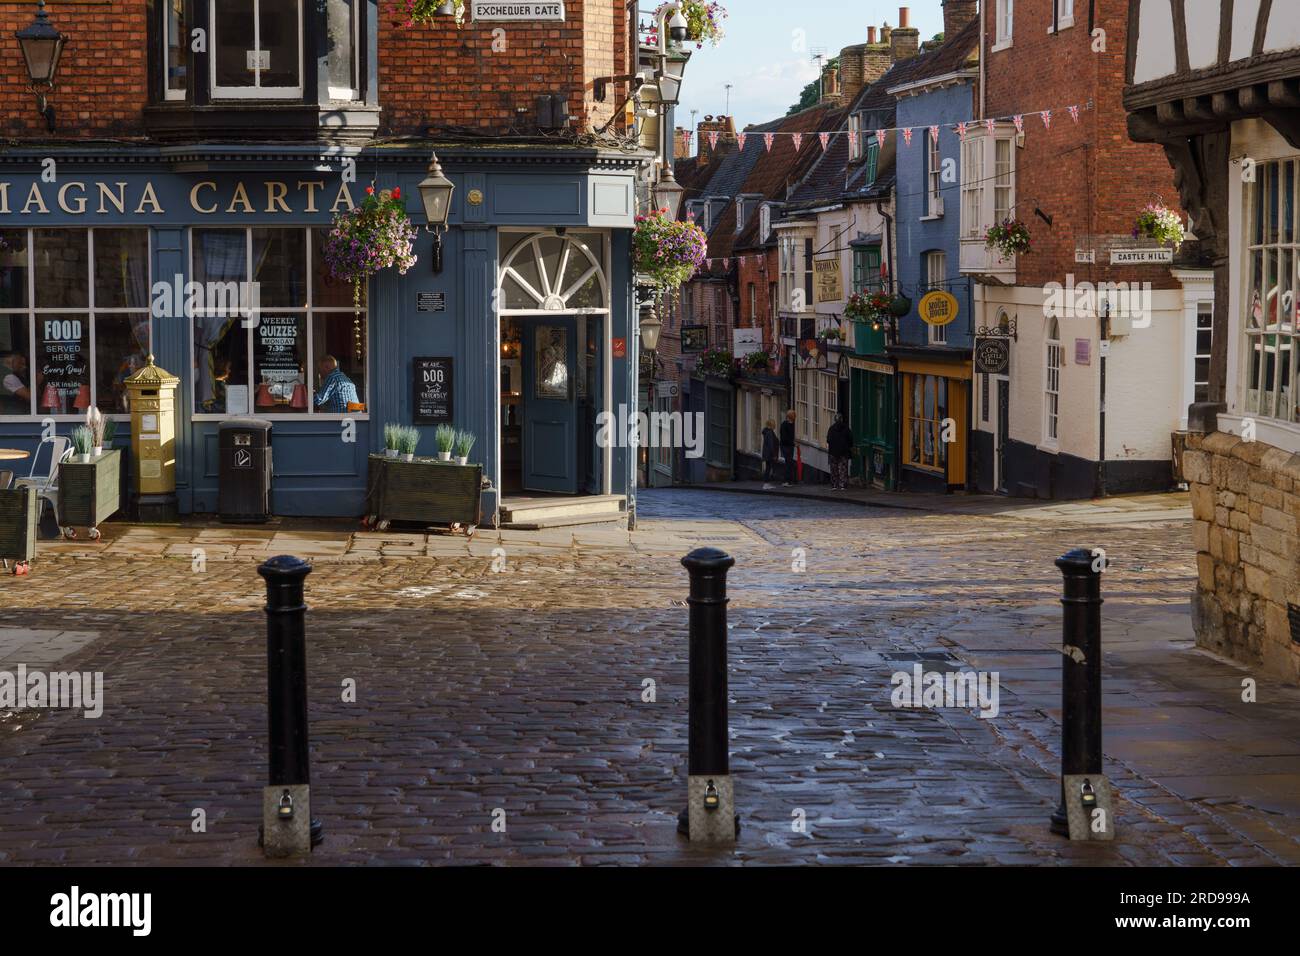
(435, 192)
(667, 192)
(42, 45)
(650, 328)
(672, 68)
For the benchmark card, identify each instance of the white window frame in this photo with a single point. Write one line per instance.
(1204, 311)
(352, 94)
(855, 137)
(1004, 21)
(764, 222)
(982, 182)
(90, 312)
(1275, 253)
(933, 178)
(1052, 362)
(1064, 16)
(257, 91)
(936, 276)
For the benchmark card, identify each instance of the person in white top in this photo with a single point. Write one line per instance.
(15, 396)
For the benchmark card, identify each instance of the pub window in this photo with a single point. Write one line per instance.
(256, 48)
(808, 274)
(925, 409)
(936, 276)
(275, 333)
(1273, 374)
(344, 41)
(74, 319)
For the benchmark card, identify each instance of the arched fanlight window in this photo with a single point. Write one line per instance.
(550, 273)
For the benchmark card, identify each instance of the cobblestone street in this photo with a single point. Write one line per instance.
(521, 689)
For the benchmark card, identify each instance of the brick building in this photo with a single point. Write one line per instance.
(187, 148)
(1098, 379)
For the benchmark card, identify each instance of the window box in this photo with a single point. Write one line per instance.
(90, 492)
(424, 491)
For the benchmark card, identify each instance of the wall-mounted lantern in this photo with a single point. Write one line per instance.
(435, 192)
(42, 46)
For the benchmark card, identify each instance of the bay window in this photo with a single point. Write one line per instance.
(74, 319)
(270, 362)
(256, 48)
(1272, 374)
(925, 408)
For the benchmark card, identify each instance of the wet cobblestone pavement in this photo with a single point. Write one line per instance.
(521, 690)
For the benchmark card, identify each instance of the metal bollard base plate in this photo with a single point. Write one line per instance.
(281, 838)
(711, 826)
(1097, 822)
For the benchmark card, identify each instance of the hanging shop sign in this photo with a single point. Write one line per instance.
(496, 10)
(746, 342)
(695, 338)
(829, 286)
(992, 356)
(432, 380)
(938, 308)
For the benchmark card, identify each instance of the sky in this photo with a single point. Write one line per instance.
(767, 52)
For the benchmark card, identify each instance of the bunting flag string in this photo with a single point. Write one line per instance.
(768, 139)
(740, 141)
(907, 135)
(826, 140)
(934, 134)
(991, 125)
(961, 131)
(1074, 113)
(1047, 119)
(880, 138)
(797, 139)
(1020, 123)
(713, 139)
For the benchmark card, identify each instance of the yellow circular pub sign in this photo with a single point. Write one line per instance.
(938, 308)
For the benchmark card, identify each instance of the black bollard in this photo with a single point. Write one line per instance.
(287, 827)
(710, 815)
(1080, 672)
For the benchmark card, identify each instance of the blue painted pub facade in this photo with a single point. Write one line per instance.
(532, 306)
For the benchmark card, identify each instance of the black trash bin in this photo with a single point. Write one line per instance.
(244, 492)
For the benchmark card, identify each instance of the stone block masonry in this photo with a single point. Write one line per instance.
(1246, 501)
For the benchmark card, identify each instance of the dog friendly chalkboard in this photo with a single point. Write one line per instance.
(433, 390)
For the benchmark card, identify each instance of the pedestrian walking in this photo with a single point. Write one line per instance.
(839, 445)
(787, 447)
(771, 453)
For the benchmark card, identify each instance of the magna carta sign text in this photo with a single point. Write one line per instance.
(207, 197)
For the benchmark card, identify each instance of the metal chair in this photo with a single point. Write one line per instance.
(44, 476)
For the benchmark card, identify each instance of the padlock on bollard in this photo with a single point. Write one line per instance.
(710, 815)
(287, 827)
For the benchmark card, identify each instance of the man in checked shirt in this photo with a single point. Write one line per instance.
(336, 389)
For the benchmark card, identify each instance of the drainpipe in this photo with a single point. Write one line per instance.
(983, 65)
(1101, 421)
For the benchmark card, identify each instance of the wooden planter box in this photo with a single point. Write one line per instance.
(89, 492)
(19, 509)
(425, 491)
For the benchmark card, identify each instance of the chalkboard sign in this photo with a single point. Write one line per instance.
(433, 390)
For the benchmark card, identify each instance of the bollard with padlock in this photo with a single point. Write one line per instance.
(1084, 812)
(287, 827)
(710, 815)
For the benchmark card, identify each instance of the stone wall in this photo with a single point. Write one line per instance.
(1246, 500)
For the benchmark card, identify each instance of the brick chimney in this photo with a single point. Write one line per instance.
(863, 64)
(830, 85)
(905, 40)
(725, 127)
(956, 14)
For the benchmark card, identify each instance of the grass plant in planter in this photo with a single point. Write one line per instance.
(392, 440)
(83, 441)
(408, 442)
(445, 438)
(464, 442)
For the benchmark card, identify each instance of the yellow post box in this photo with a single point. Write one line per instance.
(152, 394)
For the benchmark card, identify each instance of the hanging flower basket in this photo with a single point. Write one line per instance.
(668, 251)
(868, 306)
(1157, 221)
(373, 236)
(1010, 238)
(703, 20)
(758, 361)
(423, 11)
(717, 362)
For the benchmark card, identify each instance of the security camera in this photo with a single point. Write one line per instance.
(677, 26)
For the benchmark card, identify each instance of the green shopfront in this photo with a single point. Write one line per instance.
(112, 254)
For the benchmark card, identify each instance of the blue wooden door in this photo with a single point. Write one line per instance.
(550, 405)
